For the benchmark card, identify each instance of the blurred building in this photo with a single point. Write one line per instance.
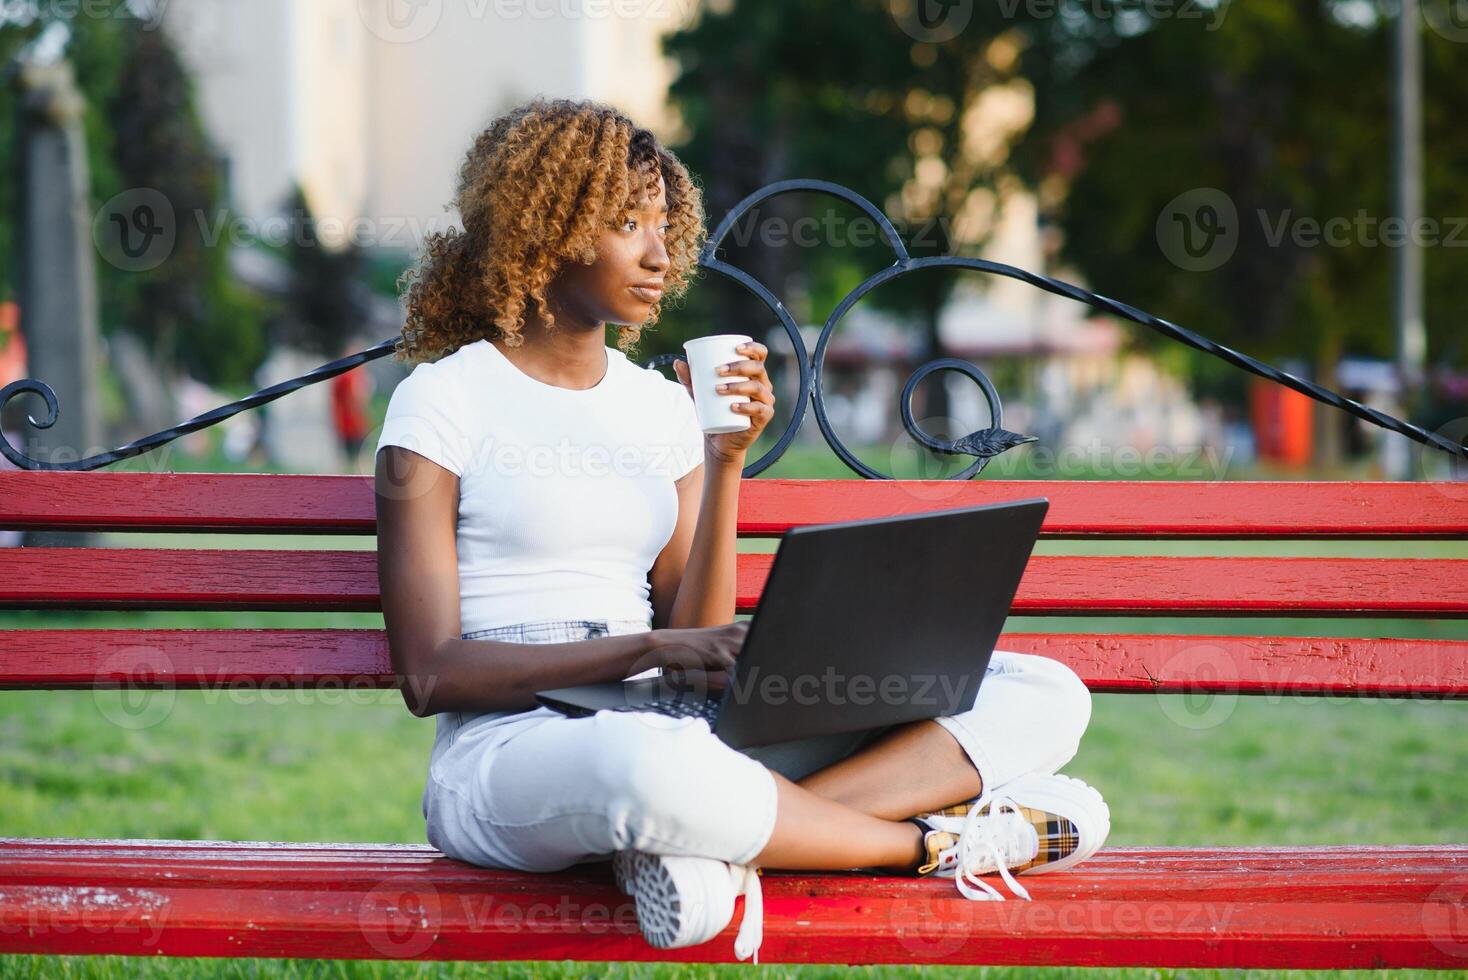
(372, 104)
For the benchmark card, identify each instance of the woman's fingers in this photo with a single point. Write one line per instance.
(757, 389)
(741, 367)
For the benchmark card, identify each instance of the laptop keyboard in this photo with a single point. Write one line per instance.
(707, 710)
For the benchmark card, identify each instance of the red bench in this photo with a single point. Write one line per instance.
(1396, 906)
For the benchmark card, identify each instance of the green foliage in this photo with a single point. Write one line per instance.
(323, 307)
(164, 149)
(1286, 108)
(95, 51)
(228, 345)
(835, 90)
(143, 130)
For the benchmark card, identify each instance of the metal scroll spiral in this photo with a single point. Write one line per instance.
(982, 445)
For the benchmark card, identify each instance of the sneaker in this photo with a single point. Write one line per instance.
(1034, 824)
(683, 900)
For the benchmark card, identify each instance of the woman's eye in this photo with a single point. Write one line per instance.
(631, 225)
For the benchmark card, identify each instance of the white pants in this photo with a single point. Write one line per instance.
(540, 791)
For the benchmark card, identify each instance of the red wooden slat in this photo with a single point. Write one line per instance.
(81, 578)
(240, 503)
(1234, 907)
(1141, 585)
(58, 659)
(1085, 508)
(347, 659)
(250, 502)
(175, 578)
(1268, 665)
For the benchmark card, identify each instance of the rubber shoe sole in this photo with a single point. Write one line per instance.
(680, 901)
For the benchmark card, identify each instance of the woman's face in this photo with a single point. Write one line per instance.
(626, 279)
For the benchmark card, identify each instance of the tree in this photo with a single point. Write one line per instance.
(95, 49)
(324, 305)
(1285, 109)
(143, 131)
(856, 92)
(164, 150)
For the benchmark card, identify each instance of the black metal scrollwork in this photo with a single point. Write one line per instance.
(212, 417)
(983, 444)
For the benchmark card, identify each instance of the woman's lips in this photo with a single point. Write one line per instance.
(648, 294)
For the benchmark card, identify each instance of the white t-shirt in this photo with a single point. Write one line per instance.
(566, 497)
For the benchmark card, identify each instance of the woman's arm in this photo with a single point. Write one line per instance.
(708, 517)
(418, 579)
(697, 566)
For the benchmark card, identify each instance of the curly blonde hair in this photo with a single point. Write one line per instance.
(535, 192)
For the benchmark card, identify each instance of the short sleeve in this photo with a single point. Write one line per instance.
(423, 415)
(687, 436)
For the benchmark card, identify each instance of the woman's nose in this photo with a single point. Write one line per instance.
(655, 256)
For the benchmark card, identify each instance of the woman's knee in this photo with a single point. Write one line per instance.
(642, 764)
(1067, 698)
(1034, 701)
(670, 783)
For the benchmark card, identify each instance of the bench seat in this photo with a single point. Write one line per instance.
(1368, 907)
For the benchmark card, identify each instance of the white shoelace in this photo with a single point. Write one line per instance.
(752, 929)
(1001, 835)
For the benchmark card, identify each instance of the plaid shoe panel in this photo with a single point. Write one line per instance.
(1059, 837)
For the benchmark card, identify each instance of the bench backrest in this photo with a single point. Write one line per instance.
(1204, 580)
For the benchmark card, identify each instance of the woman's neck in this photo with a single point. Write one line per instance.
(569, 355)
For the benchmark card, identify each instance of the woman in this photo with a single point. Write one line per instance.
(536, 486)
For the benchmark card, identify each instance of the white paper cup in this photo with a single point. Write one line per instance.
(705, 356)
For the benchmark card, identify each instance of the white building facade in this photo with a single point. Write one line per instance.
(372, 104)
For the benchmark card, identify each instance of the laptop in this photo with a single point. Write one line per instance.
(861, 624)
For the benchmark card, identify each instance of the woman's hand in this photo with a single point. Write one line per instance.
(745, 377)
(699, 655)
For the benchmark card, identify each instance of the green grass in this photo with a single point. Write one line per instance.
(317, 766)
(332, 767)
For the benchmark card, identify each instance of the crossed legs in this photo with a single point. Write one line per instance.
(1029, 717)
(853, 813)
(568, 790)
